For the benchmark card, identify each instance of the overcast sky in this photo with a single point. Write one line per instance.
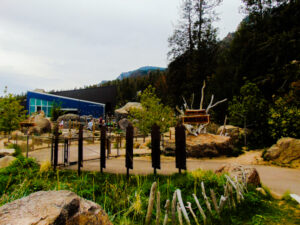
(63, 44)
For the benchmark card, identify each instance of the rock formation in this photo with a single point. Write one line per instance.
(41, 124)
(203, 145)
(241, 172)
(53, 207)
(6, 161)
(285, 151)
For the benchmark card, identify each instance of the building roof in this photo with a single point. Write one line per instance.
(96, 94)
(63, 97)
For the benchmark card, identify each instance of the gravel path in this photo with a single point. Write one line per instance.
(278, 179)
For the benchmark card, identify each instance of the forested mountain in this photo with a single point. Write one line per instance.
(257, 67)
(139, 72)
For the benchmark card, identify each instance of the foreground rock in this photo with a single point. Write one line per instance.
(286, 151)
(6, 161)
(41, 124)
(204, 145)
(52, 207)
(249, 173)
(7, 152)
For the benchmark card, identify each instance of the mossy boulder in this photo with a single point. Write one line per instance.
(286, 151)
(53, 207)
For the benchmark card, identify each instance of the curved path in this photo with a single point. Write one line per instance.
(278, 179)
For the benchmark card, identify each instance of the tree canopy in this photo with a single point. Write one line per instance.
(11, 113)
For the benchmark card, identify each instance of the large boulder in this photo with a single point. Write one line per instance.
(6, 161)
(240, 171)
(67, 117)
(203, 145)
(53, 207)
(123, 123)
(7, 152)
(285, 151)
(41, 124)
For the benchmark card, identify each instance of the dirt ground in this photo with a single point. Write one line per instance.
(278, 179)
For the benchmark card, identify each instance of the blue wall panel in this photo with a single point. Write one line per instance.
(84, 107)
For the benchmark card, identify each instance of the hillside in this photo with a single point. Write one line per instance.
(139, 72)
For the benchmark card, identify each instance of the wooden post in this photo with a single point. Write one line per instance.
(80, 148)
(102, 148)
(155, 144)
(118, 142)
(93, 131)
(66, 151)
(27, 146)
(52, 149)
(32, 143)
(56, 136)
(170, 134)
(108, 146)
(180, 147)
(129, 148)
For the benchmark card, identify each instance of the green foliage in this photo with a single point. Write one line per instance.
(284, 117)
(18, 150)
(11, 113)
(55, 111)
(153, 111)
(249, 110)
(126, 199)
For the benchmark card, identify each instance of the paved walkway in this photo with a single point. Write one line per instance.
(276, 178)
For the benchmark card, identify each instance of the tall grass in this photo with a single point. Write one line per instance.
(125, 200)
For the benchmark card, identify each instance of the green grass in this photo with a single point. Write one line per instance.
(126, 201)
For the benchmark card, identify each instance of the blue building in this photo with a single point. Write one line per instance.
(37, 101)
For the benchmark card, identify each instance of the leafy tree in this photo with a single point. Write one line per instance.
(11, 113)
(284, 115)
(152, 112)
(249, 110)
(55, 111)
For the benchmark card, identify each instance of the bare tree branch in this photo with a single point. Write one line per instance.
(202, 95)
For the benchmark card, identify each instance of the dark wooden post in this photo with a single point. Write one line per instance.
(180, 147)
(118, 142)
(80, 148)
(56, 136)
(102, 148)
(27, 146)
(155, 144)
(108, 147)
(52, 149)
(129, 148)
(66, 151)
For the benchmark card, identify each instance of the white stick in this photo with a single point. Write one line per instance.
(179, 214)
(185, 103)
(200, 209)
(192, 102)
(167, 206)
(184, 212)
(217, 103)
(157, 207)
(205, 197)
(222, 202)
(202, 95)
(180, 111)
(174, 208)
(214, 200)
(151, 202)
(189, 206)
